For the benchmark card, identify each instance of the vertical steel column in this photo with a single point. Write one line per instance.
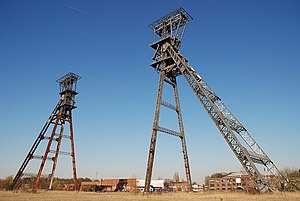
(154, 132)
(73, 152)
(46, 152)
(183, 141)
(56, 153)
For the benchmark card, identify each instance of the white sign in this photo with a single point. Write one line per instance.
(154, 183)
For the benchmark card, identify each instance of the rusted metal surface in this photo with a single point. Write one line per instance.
(61, 115)
(73, 154)
(46, 153)
(57, 151)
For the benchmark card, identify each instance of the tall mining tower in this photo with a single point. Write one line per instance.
(170, 63)
(58, 120)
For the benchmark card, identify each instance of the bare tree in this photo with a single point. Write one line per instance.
(293, 176)
(5, 183)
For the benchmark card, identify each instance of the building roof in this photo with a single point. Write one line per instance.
(237, 174)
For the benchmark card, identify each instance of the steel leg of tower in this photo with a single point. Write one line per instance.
(46, 152)
(73, 153)
(56, 153)
(155, 129)
(154, 132)
(183, 141)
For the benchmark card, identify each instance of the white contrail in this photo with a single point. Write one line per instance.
(76, 9)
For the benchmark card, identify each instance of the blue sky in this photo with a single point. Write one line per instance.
(247, 51)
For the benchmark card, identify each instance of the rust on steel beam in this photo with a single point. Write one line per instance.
(56, 153)
(73, 154)
(46, 154)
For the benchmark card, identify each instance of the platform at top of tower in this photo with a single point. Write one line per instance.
(68, 82)
(70, 77)
(173, 15)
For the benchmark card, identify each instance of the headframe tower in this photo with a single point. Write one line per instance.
(58, 120)
(168, 30)
(170, 63)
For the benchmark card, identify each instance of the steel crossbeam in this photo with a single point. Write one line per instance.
(169, 131)
(168, 105)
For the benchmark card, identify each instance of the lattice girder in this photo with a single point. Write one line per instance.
(226, 123)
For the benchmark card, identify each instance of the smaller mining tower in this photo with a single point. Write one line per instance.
(167, 30)
(58, 120)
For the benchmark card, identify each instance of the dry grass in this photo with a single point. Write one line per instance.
(84, 196)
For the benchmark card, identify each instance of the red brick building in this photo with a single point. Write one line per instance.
(177, 186)
(114, 185)
(110, 185)
(232, 181)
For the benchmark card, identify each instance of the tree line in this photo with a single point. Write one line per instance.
(26, 183)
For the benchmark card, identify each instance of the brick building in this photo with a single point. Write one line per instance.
(110, 185)
(114, 185)
(232, 181)
(177, 186)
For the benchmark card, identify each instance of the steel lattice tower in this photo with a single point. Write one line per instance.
(58, 120)
(170, 63)
(166, 28)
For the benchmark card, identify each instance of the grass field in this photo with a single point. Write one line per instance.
(82, 196)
